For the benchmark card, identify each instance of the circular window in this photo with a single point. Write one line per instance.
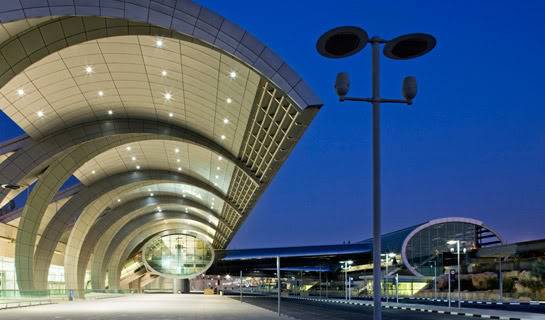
(179, 256)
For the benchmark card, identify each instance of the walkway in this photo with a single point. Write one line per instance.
(150, 306)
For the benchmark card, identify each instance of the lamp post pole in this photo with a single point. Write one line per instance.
(458, 269)
(501, 281)
(345, 264)
(459, 274)
(435, 279)
(397, 287)
(386, 278)
(349, 288)
(377, 309)
(449, 298)
(320, 273)
(345, 281)
(278, 283)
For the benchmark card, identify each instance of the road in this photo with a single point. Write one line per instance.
(308, 310)
(537, 308)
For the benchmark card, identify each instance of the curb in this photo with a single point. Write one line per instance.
(522, 303)
(24, 304)
(455, 313)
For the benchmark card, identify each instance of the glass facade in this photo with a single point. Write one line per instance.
(178, 256)
(428, 248)
(8, 280)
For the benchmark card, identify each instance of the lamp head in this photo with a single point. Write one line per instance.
(409, 88)
(342, 84)
(342, 42)
(451, 242)
(409, 46)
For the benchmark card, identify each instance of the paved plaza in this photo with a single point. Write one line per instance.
(151, 306)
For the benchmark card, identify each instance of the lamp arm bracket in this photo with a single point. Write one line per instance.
(380, 100)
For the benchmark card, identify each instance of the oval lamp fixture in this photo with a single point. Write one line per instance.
(342, 42)
(409, 46)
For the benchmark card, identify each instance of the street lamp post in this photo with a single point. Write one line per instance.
(501, 281)
(345, 41)
(387, 256)
(345, 264)
(240, 285)
(458, 269)
(434, 279)
(349, 288)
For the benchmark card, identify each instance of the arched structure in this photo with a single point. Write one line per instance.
(134, 240)
(105, 89)
(427, 241)
(76, 259)
(77, 209)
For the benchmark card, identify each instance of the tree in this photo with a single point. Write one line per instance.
(537, 280)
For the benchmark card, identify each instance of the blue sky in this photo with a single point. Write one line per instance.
(472, 145)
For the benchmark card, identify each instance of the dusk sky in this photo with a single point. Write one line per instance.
(472, 145)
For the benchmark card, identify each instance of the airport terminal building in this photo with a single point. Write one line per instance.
(151, 129)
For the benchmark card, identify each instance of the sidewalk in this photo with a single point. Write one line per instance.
(469, 312)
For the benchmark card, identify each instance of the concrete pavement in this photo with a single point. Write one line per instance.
(149, 306)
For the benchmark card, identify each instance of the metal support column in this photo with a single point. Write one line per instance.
(240, 285)
(377, 302)
(320, 277)
(500, 280)
(449, 297)
(459, 276)
(278, 282)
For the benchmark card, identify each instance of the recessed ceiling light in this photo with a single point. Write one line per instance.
(101, 93)
(88, 69)
(226, 121)
(128, 148)
(40, 113)
(232, 74)
(167, 96)
(164, 73)
(218, 168)
(222, 137)
(93, 172)
(171, 114)
(228, 100)
(217, 177)
(133, 158)
(151, 194)
(183, 195)
(176, 150)
(179, 168)
(20, 92)
(177, 160)
(118, 200)
(220, 158)
(159, 43)
(110, 112)
(137, 167)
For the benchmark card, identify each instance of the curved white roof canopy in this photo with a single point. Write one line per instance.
(176, 63)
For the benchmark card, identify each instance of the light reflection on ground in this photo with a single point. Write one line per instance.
(151, 306)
